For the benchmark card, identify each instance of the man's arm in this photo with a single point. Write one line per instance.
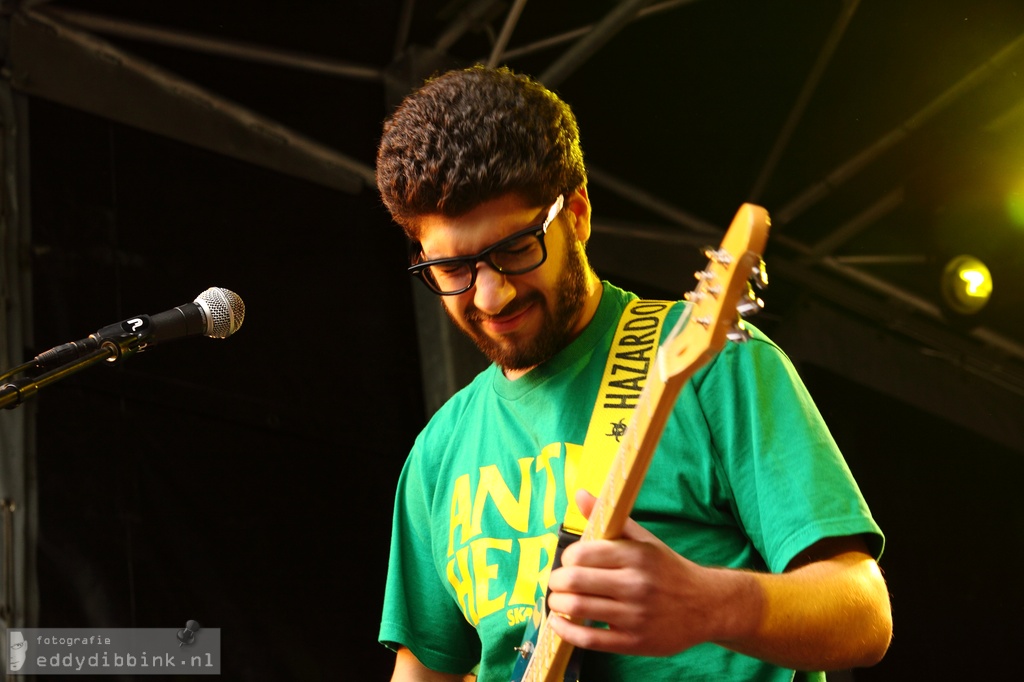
(409, 669)
(830, 610)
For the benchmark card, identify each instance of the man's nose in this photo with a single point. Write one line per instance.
(493, 290)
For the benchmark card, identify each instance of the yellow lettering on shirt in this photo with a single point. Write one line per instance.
(515, 510)
(461, 513)
(462, 581)
(536, 556)
(543, 465)
(509, 550)
(484, 573)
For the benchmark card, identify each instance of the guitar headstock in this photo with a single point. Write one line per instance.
(723, 293)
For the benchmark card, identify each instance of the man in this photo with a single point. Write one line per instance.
(752, 553)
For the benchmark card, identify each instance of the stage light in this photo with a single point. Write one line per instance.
(966, 285)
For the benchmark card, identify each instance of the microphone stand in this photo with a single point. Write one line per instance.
(15, 392)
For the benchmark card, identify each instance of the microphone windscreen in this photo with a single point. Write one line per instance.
(225, 311)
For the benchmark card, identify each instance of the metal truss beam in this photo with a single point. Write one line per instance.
(56, 62)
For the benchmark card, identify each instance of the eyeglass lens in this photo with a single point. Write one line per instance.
(516, 256)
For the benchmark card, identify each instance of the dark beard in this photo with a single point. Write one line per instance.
(556, 330)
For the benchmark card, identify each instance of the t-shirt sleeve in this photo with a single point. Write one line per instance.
(418, 612)
(789, 481)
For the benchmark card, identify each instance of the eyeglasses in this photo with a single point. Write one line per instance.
(516, 254)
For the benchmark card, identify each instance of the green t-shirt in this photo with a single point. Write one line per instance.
(746, 476)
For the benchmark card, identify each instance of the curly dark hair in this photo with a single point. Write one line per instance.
(471, 135)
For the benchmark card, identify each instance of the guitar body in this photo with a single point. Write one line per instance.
(526, 648)
(534, 627)
(723, 289)
(530, 638)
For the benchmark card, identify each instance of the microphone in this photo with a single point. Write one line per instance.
(217, 313)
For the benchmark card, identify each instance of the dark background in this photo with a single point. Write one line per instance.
(244, 481)
(247, 483)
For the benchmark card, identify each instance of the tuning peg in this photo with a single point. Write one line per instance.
(749, 304)
(720, 256)
(760, 275)
(738, 333)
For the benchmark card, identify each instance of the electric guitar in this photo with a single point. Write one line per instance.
(722, 296)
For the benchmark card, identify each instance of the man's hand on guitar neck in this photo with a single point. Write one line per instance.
(828, 611)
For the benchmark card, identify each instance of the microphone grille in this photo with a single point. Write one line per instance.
(226, 311)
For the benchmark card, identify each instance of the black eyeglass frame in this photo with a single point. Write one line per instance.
(419, 270)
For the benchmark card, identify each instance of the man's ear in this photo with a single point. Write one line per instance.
(578, 204)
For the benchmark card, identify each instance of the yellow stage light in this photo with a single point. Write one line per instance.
(966, 285)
